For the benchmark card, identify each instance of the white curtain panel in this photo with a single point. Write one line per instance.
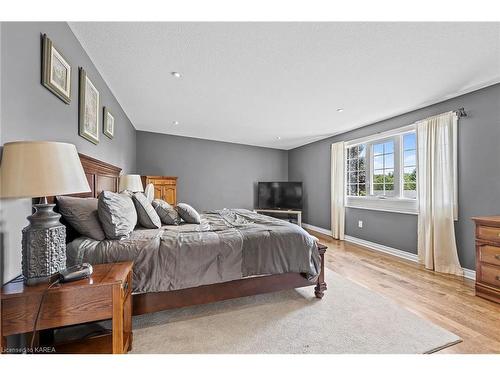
(437, 193)
(338, 190)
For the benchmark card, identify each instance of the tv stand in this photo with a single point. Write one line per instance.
(277, 211)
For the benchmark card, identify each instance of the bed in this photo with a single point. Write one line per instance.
(231, 253)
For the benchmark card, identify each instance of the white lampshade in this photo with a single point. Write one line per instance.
(130, 182)
(41, 169)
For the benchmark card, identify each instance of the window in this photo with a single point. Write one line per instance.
(410, 165)
(356, 167)
(381, 171)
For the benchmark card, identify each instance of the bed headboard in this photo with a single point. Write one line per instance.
(100, 175)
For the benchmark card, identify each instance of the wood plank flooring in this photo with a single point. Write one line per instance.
(446, 300)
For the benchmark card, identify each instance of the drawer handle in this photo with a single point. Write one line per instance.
(497, 256)
(125, 286)
(498, 278)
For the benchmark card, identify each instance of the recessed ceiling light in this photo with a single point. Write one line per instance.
(176, 74)
(175, 123)
(340, 109)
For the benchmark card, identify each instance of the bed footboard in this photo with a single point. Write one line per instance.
(158, 301)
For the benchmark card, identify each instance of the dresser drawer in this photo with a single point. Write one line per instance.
(162, 182)
(490, 275)
(489, 254)
(488, 233)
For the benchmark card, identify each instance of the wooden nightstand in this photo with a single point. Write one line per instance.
(105, 295)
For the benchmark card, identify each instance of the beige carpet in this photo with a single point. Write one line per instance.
(349, 319)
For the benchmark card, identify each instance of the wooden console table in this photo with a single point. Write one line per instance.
(105, 295)
(288, 212)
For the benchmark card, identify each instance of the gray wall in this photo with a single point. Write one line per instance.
(479, 171)
(212, 175)
(30, 112)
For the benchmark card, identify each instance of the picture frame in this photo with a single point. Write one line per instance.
(108, 122)
(56, 71)
(88, 111)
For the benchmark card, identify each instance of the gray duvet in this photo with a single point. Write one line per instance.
(228, 244)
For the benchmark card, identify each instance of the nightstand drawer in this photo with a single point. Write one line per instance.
(490, 275)
(489, 254)
(488, 233)
(60, 308)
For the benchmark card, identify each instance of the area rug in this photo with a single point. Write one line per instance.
(349, 319)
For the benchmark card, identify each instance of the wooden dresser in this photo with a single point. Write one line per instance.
(488, 257)
(165, 187)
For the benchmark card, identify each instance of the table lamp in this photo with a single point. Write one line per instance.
(41, 169)
(130, 182)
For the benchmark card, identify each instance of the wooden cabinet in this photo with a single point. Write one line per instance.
(488, 257)
(165, 187)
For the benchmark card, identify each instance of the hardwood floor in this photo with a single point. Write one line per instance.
(446, 300)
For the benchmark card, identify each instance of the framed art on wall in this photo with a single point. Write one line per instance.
(108, 123)
(88, 112)
(56, 71)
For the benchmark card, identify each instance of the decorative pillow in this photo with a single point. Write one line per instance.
(148, 218)
(188, 213)
(117, 215)
(167, 213)
(81, 214)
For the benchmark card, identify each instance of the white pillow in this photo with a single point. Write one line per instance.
(149, 192)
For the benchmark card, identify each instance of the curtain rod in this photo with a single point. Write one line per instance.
(461, 112)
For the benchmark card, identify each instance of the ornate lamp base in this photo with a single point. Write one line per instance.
(44, 245)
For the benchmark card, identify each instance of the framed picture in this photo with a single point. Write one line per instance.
(88, 112)
(108, 123)
(56, 71)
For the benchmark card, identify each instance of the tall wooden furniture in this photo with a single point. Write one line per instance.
(165, 187)
(105, 295)
(488, 257)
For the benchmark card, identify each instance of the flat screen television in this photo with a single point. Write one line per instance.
(280, 195)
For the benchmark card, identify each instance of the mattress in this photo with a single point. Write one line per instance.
(228, 244)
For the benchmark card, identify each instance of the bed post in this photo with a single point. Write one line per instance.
(319, 289)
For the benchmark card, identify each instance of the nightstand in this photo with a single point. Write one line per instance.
(105, 295)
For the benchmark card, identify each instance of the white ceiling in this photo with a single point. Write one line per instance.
(251, 83)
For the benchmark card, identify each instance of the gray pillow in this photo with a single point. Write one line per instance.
(148, 218)
(81, 214)
(117, 215)
(167, 213)
(188, 213)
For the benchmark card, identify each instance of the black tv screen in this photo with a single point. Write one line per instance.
(280, 195)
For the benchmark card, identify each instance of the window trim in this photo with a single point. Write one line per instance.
(390, 204)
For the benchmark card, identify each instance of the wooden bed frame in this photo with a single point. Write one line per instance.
(103, 176)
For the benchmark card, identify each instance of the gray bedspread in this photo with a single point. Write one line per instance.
(228, 244)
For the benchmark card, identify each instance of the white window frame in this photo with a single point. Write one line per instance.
(380, 203)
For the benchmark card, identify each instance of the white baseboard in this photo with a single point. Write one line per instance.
(468, 274)
(317, 229)
(382, 248)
